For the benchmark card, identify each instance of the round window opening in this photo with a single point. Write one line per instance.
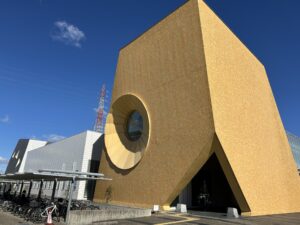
(134, 127)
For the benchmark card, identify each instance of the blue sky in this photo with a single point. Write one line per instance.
(55, 55)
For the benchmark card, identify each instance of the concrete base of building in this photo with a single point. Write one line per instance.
(106, 212)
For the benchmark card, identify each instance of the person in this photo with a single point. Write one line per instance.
(23, 195)
(62, 207)
(7, 194)
(23, 198)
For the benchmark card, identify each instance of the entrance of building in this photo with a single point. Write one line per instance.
(209, 189)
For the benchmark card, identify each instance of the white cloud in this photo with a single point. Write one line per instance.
(54, 137)
(68, 34)
(34, 137)
(4, 119)
(3, 160)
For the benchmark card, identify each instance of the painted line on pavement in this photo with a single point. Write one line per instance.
(186, 219)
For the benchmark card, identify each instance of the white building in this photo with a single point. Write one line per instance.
(80, 152)
(18, 158)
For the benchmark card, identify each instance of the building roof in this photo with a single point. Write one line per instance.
(48, 176)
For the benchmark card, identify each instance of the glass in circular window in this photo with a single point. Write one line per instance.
(134, 128)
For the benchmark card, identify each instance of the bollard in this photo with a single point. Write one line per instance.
(181, 208)
(232, 212)
(155, 209)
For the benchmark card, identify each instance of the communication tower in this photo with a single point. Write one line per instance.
(99, 124)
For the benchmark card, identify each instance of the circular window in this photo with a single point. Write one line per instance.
(134, 127)
(127, 131)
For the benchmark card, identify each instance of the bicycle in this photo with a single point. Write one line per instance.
(53, 210)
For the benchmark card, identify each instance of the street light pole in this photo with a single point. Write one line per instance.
(71, 186)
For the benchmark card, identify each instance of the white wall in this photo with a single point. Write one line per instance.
(92, 138)
(18, 158)
(71, 154)
(32, 144)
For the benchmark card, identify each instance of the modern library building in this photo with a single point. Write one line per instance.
(193, 120)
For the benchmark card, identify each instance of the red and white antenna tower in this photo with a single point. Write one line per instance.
(99, 124)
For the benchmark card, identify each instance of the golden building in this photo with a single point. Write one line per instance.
(193, 115)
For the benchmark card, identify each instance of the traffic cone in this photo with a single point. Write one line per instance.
(49, 218)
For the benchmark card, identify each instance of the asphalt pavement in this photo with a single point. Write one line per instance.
(175, 218)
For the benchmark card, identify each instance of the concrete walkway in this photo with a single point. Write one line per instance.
(7, 218)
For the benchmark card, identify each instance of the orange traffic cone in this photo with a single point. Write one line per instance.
(49, 218)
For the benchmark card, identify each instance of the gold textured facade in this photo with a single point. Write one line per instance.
(202, 92)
